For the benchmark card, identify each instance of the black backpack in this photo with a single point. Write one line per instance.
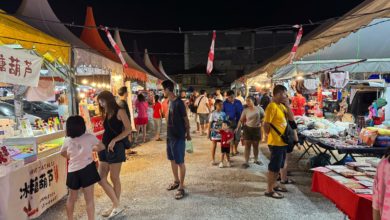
(321, 160)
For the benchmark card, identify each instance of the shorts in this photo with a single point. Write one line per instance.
(203, 118)
(118, 156)
(225, 149)
(196, 118)
(251, 133)
(278, 157)
(157, 124)
(141, 121)
(176, 149)
(83, 178)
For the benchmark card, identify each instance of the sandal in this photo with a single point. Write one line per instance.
(159, 139)
(115, 212)
(179, 194)
(258, 163)
(274, 195)
(288, 181)
(173, 186)
(245, 166)
(107, 213)
(280, 189)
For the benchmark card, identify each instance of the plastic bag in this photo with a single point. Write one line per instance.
(368, 136)
(189, 147)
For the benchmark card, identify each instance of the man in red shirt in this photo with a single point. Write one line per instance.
(298, 103)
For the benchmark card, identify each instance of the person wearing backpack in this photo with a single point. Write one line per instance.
(277, 129)
(203, 111)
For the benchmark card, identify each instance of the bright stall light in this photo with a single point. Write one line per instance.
(93, 84)
(82, 95)
(299, 77)
(84, 81)
(99, 85)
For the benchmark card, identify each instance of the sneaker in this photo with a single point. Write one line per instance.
(228, 164)
(221, 165)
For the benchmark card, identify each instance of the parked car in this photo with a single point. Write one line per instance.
(42, 110)
(8, 111)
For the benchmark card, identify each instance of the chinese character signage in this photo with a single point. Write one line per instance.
(18, 67)
(30, 190)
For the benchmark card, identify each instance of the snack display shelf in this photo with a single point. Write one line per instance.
(35, 141)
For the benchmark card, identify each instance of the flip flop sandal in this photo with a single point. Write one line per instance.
(280, 189)
(115, 212)
(173, 186)
(274, 195)
(245, 166)
(180, 194)
(288, 181)
(107, 213)
(258, 163)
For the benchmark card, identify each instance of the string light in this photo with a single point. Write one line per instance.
(84, 81)
(93, 84)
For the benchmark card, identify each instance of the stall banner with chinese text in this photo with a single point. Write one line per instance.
(18, 67)
(34, 187)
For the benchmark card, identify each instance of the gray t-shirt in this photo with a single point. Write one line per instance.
(252, 117)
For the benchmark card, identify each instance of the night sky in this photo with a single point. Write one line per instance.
(190, 15)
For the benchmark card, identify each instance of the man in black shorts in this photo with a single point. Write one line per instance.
(275, 121)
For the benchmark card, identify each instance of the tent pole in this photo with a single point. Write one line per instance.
(71, 85)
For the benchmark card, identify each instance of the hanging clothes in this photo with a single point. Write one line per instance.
(339, 80)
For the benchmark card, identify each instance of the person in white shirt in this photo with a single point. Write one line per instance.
(218, 95)
(82, 172)
(203, 111)
(240, 98)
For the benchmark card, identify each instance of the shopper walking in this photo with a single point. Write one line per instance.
(141, 121)
(217, 117)
(275, 122)
(203, 111)
(233, 109)
(178, 130)
(251, 120)
(194, 110)
(157, 117)
(82, 173)
(240, 98)
(116, 128)
(218, 95)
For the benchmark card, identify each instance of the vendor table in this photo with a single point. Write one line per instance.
(319, 147)
(355, 206)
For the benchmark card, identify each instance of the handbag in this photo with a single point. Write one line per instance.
(189, 147)
(125, 141)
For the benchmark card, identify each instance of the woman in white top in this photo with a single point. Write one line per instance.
(251, 119)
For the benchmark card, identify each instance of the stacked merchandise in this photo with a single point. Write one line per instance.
(357, 176)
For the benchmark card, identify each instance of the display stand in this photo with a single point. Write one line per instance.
(32, 185)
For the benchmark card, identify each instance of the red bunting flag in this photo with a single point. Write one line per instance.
(116, 47)
(211, 55)
(296, 44)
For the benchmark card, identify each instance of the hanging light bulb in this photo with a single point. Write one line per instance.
(84, 81)
(82, 95)
(93, 84)
(99, 85)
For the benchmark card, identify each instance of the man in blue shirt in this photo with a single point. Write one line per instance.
(233, 109)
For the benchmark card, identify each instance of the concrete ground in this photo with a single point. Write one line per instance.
(213, 193)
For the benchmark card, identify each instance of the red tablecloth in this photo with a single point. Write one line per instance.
(355, 206)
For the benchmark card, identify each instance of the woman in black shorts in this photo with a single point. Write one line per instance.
(116, 128)
(251, 119)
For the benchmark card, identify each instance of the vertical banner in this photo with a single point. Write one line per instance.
(210, 59)
(32, 189)
(18, 67)
(116, 47)
(296, 44)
